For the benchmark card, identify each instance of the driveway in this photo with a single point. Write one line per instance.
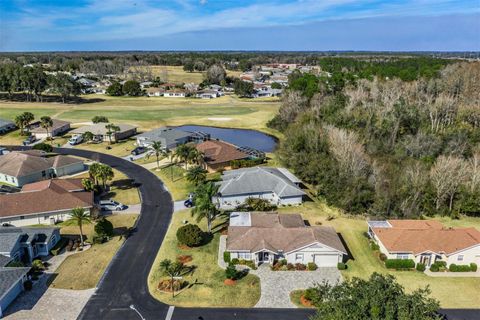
(277, 285)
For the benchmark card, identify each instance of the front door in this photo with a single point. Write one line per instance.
(263, 257)
(425, 259)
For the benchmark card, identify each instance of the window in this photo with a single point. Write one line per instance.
(244, 255)
(22, 217)
(46, 217)
(402, 256)
(460, 258)
(299, 256)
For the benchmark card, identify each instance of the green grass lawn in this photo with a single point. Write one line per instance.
(174, 179)
(365, 262)
(210, 291)
(84, 269)
(176, 74)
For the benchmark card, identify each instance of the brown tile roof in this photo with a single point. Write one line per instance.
(219, 152)
(418, 239)
(276, 237)
(17, 164)
(45, 196)
(415, 224)
(37, 128)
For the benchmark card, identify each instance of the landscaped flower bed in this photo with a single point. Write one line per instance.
(282, 265)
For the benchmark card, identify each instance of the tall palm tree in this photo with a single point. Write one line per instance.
(182, 152)
(46, 122)
(195, 156)
(112, 129)
(105, 173)
(158, 150)
(204, 206)
(79, 217)
(196, 175)
(94, 172)
(20, 122)
(28, 117)
(174, 270)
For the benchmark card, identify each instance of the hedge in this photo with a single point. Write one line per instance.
(341, 266)
(59, 246)
(473, 267)
(312, 266)
(226, 257)
(434, 267)
(461, 267)
(420, 267)
(399, 264)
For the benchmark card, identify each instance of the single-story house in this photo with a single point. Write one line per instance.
(175, 93)
(100, 131)
(58, 127)
(154, 91)
(20, 168)
(28, 243)
(426, 241)
(44, 202)
(11, 285)
(269, 237)
(208, 94)
(6, 126)
(277, 185)
(170, 138)
(219, 154)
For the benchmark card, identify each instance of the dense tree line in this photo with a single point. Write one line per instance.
(386, 146)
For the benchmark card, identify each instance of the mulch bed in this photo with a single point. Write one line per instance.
(184, 247)
(229, 282)
(305, 302)
(184, 258)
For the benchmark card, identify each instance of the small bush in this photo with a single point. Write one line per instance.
(103, 227)
(43, 147)
(37, 265)
(99, 239)
(374, 246)
(231, 272)
(312, 294)
(383, 257)
(400, 264)
(312, 266)
(434, 267)
(341, 266)
(459, 268)
(420, 267)
(441, 264)
(473, 267)
(226, 257)
(190, 235)
(290, 266)
(235, 261)
(59, 246)
(300, 267)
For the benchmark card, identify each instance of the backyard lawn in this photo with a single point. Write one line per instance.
(365, 262)
(207, 288)
(83, 270)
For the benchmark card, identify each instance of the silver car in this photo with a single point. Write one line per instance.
(112, 205)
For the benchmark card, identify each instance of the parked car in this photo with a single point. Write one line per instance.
(188, 203)
(112, 205)
(75, 140)
(138, 150)
(29, 140)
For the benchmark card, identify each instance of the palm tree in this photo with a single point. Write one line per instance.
(105, 174)
(195, 156)
(20, 122)
(28, 117)
(79, 217)
(112, 129)
(196, 175)
(174, 270)
(94, 172)
(204, 206)
(46, 122)
(158, 150)
(182, 152)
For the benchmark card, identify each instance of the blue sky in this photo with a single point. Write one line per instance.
(409, 25)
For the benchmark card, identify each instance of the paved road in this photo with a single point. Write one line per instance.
(125, 280)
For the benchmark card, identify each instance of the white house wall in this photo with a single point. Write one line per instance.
(231, 202)
(42, 218)
(315, 250)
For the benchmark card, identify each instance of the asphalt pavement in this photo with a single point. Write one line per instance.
(124, 283)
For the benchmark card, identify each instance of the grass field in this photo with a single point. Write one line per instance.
(365, 262)
(209, 290)
(176, 74)
(83, 270)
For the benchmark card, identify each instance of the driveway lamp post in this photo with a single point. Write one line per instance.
(138, 312)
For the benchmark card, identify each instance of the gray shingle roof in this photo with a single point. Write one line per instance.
(259, 180)
(8, 241)
(4, 122)
(167, 136)
(9, 276)
(9, 236)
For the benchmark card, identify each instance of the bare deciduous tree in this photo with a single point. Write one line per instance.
(293, 102)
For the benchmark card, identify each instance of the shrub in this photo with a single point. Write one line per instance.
(103, 227)
(231, 272)
(420, 267)
(383, 257)
(473, 267)
(341, 266)
(59, 246)
(235, 261)
(190, 235)
(312, 266)
(247, 263)
(459, 268)
(374, 246)
(99, 239)
(434, 267)
(300, 266)
(312, 294)
(226, 257)
(43, 147)
(37, 265)
(290, 266)
(441, 264)
(399, 264)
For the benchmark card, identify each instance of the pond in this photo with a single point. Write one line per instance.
(240, 137)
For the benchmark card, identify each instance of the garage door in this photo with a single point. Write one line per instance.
(326, 260)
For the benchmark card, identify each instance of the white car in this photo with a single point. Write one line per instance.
(112, 205)
(75, 140)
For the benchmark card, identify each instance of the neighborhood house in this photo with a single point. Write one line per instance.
(19, 168)
(11, 285)
(219, 154)
(269, 237)
(44, 202)
(170, 138)
(277, 185)
(101, 132)
(58, 127)
(426, 241)
(6, 126)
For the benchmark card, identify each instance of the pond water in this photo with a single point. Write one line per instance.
(240, 137)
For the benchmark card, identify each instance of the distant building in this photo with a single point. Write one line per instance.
(170, 138)
(208, 94)
(154, 91)
(6, 126)
(58, 127)
(219, 154)
(175, 93)
(20, 168)
(100, 131)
